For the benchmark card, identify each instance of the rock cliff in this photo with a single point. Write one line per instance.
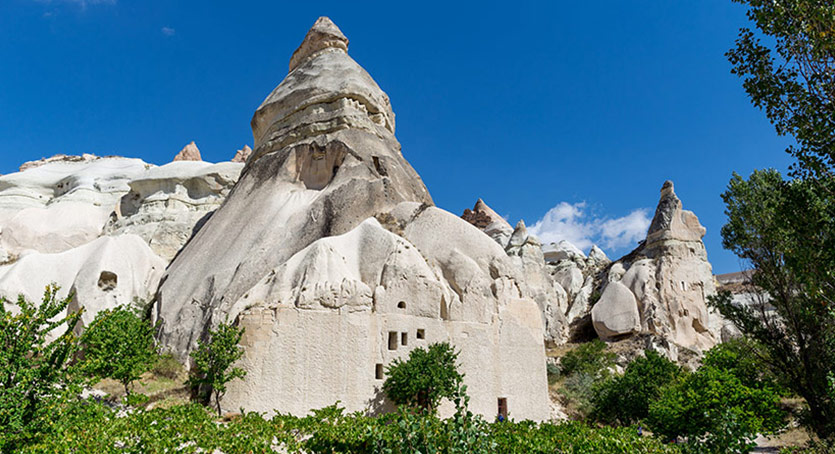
(331, 254)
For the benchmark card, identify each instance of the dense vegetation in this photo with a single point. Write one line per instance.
(784, 229)
(119, 344)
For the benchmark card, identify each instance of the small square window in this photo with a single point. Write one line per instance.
(378, 371)
(404, 339)
(421, 334)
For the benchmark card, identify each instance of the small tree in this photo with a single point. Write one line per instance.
(119, 344)
(425, 378)
(34, 373)
(213, 361)
(625, 398)
(715, 411)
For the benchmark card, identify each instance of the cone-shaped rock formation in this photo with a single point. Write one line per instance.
(329, 252)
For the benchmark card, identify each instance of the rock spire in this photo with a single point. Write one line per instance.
(323, 35)
(189, 153)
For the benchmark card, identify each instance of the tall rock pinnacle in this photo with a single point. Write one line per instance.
(332, 257)
(323, 35)
(325, 158)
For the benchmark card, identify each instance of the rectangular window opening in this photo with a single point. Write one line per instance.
(503, 408)
(404, 339)
(392, 340)
(378, 371)
(421, 334)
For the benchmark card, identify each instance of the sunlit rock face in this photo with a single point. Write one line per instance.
(331, 254)
(669, 279)
(167, 204)
(59, 203)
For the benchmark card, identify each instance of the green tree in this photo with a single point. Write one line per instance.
(425, 378)
(589, 358)
(119, 344)
(625, 399)
(741, 358)
(785, 230)
(213, 361)
(35, 377)
(792, 76)
(715, 411)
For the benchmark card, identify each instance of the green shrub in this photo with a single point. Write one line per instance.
(425, 378)
(715, 411)
(553, 372)
(742, 359)
(213, 361)
(167, 366)
(625, 399)
(119, 344)
(93, 427)
(590, 358)
(578, 389)
(35, 377)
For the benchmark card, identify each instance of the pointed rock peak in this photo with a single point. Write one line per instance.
(482, 216)
(189, 153)
(243, 154)
(671, 222)
(597, 255)
(519, 236)
(323, 35)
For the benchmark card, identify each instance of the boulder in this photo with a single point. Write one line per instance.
(563, 250)
(616, 313)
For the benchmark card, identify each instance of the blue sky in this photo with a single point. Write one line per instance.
(569, 115)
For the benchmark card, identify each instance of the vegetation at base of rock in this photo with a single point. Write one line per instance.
(167, 366)
(589, 358)
(713, 409)
(119, 344)
(35, 375)
(213, 361)
(88, 426)
(625, 399)
(426, 377)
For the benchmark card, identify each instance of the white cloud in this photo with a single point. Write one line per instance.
(82, 3)
(168, 31)
(571, 222)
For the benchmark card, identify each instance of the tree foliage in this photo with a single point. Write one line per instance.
(790, 74)
(36, 346)
(625, 399)
(426, 377)
(589, 358)
(785, 230)
(119, 344)
(715, 411)
(213, 361)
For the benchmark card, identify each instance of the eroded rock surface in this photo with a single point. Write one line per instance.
(102, 274)
(330, 253)
(167, 204)
(62, 202)
(670, 278)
